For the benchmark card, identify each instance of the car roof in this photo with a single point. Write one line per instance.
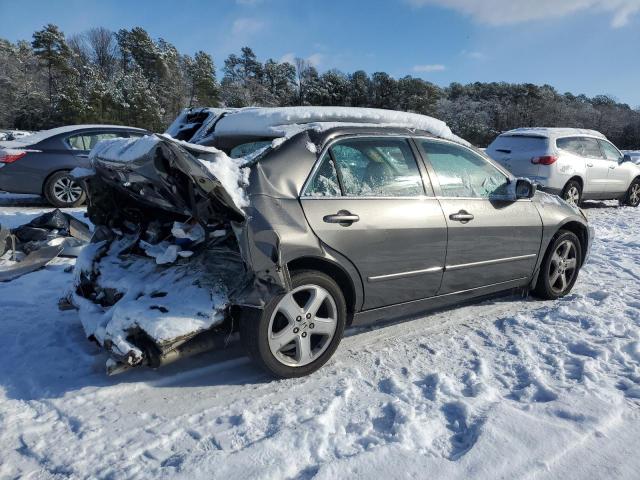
(274, 122)
(552, 132)
(45, 134)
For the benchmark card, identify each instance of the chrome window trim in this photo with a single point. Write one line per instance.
(412, 273)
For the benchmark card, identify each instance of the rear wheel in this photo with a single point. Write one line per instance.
(62, 190)
(296, 333)
(560, 266)
(572, 193)
(632, 197)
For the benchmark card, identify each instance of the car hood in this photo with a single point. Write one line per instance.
(172, 175)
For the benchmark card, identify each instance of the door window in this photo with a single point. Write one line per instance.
(368, 167)
(463, 173)
(610, 152)
(87, 141)
(571, 144)
(377, 167)
(325, 181)
(591, 147)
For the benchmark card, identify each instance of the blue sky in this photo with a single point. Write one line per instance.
(582, 46)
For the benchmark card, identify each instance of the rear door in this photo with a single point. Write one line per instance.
(367, 200)
(492, 238)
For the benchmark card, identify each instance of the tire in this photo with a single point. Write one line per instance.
(266, 335)
(550, 284)
(572, 193)
(62, 190)
(632, 197)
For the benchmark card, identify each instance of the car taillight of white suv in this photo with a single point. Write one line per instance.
(575, 164)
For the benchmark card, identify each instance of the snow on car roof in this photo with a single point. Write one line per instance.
(44, 134)
(552, 132)
(287, 121)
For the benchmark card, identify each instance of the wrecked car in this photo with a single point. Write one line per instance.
(325, 218)
(31, 246)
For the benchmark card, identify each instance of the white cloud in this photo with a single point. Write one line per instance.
(429, 68)
(288, 58)
(246, 26)
(504, 12)
(315, 59)
(473, 54)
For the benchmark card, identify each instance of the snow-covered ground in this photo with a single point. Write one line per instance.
(511, 388)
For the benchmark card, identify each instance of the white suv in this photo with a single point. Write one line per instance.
(573, 163)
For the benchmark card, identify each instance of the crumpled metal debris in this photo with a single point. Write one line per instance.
(32, 245)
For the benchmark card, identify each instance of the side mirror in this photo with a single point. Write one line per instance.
(525, 188)
(626, 158)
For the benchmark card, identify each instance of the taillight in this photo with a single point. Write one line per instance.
(10, 156)
(545, 160)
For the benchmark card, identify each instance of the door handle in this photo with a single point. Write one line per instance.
(343, 217)
(589, 164)
(612, 167)
(462, 216)
(83, 155)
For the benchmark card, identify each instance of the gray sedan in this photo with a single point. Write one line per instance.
(40, 163)
(342, 225)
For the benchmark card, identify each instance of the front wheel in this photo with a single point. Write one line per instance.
(296, 333)
(560, 266)
(632, 197)
(62, 190)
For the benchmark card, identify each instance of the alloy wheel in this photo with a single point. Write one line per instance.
(564, 266)
(572, 195)
(66, 190)
(302, 325)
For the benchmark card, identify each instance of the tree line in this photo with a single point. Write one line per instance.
(127, 77)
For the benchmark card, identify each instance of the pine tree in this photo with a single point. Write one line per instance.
(50, 46)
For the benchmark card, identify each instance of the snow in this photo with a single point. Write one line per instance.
(553, 132)
(507, 388)
(124, 150)
(287, 121)
(166, 303)
(229, 171)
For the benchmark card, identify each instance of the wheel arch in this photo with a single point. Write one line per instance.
(580, 231)
(333, 270)
(576, 178)
(51, 174)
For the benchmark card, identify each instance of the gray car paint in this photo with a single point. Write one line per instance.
(507, 229)
(47, 155)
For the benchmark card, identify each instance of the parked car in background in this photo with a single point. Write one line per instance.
(13, 134)
(335, 216)
(576, 164)
(634, 155)
(40, 163)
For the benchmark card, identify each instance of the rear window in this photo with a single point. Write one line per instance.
(518, 143)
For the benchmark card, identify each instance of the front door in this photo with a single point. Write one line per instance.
(619, 176)
(367, 200)
(492, 238)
